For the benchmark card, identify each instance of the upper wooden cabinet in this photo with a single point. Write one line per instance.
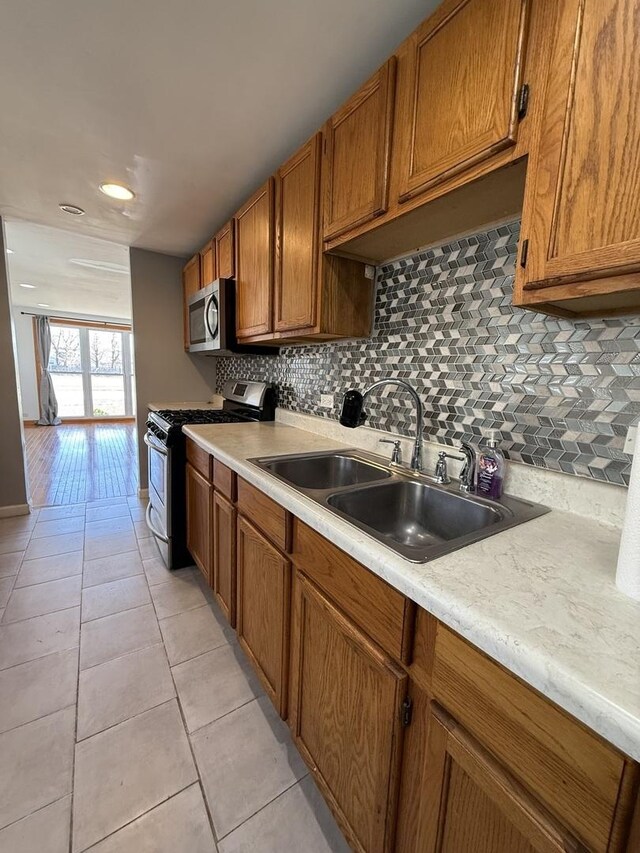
(208, 263)
(190, 285)
(298, 205)
(254, 264)
(225, 250)
(358, 142)
(580, 251)
(463, 81)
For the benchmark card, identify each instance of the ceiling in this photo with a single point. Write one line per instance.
(191, 104)
(48, 258)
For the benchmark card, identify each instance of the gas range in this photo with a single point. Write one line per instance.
(244, 402)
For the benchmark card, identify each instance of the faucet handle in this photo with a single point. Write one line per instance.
(396, 456)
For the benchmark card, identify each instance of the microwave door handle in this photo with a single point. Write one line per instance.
(212, 303)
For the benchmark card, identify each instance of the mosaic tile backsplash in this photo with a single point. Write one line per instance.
(561, 393)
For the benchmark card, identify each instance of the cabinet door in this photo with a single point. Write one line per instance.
(208, 263)
(463, 83)
(224, 555)
(358, 147)
(254, 264)
(225, 250)
(581, 215)
(471, 805)
(263, 617)
(199, 502)
(190, 285)
(345, 715)
(297, 240)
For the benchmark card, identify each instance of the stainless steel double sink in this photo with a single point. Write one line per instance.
(411, 514)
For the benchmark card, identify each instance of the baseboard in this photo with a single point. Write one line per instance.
(143, 493)
(16, 509)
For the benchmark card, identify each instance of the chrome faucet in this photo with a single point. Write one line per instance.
(353, 415)
(468, 473)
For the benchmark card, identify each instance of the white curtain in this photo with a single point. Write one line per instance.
(48, 402)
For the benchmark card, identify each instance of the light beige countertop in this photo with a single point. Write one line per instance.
(539, 598)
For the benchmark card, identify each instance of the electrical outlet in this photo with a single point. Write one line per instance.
(326, 401)
(630, 440)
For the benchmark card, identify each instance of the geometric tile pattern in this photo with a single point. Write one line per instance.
(561, 393)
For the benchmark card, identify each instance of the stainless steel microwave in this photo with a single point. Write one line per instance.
(211, 320)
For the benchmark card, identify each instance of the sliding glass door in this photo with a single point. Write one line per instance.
(92, 371)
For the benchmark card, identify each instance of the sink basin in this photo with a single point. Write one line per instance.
(415, 515)
(326, 471)
(410, 514)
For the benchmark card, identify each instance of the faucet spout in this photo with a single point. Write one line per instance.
(353, 414)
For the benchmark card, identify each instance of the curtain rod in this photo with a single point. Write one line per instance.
(76, 319)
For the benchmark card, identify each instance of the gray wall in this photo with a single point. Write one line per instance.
(164, 372)
(13, 488)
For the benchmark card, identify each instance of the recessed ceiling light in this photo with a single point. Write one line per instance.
(73, 209)
(9, 251)
(29, 286)
(118, 191)
(43, 305)
(103, 266)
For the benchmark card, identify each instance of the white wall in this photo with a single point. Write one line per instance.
(26, 357)
(13, 486)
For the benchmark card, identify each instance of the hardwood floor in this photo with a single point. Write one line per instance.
(74, 463)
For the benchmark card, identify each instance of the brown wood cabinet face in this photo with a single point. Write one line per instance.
(464, 77)
(224, 556)
(208, 263)
(567, 767)
(199, 502)
(225, 250)
(263, 616)
(346, 697)
(190, 286)
(254, 264)
(358, 150)
(472, 804)
(297, 241)
(581, 215)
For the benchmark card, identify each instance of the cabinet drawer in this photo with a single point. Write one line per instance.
(265, 513)
(224, 479)
(380, 610)
(574, 773)
(199, 458)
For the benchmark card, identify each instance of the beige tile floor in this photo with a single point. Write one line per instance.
(130, 720)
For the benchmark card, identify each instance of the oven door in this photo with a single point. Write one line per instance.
(158, 510)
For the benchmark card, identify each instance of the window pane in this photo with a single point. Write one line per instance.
(69, 393)
(108, 395)
(105, 351)
(65, 350)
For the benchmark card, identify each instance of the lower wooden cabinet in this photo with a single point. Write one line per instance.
(224, 555)
(346, 717)
(263, 616)
(199, 505)
(471, 805)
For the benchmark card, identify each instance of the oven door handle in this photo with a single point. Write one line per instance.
(154, 445)
(155, 532)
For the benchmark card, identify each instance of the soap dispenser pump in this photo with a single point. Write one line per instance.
(491, 469)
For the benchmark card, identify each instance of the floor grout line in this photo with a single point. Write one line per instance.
(37, 719)
(38, 615)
